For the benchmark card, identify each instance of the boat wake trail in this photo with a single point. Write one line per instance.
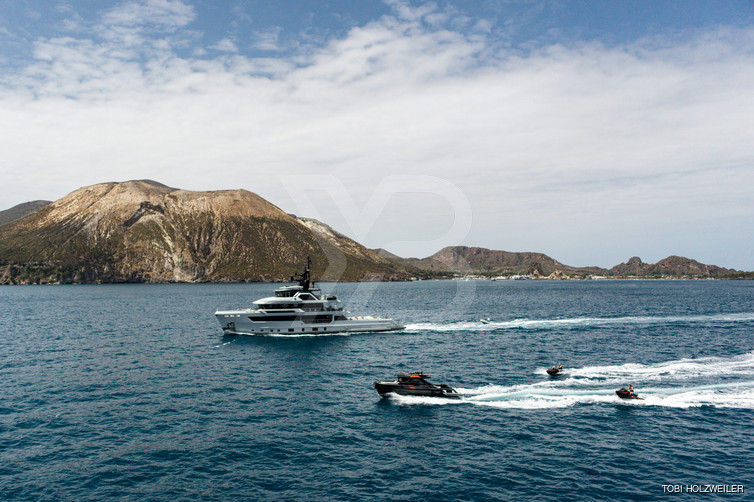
(580, 322)
(726, 395)
(686, 383)
(671, 371)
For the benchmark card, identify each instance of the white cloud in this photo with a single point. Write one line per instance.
(268, 40)
(406, 12)
(163, 13)
(225, 45)
(149, 26)
(589, 153)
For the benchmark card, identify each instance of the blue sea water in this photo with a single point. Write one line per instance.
(131, 392)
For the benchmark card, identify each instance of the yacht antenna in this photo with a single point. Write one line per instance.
(304, 278)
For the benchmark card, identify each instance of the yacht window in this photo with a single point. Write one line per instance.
(258, 318)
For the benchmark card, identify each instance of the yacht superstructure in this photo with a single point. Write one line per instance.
(300, 309)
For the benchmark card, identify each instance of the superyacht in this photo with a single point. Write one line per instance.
(300, 309)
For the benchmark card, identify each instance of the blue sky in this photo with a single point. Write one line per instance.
(590, 131)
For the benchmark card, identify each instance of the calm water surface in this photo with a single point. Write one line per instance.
(131, 392)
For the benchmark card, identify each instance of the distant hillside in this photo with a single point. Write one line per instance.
(482, 261)
(21, 210)
(676, 266)
(143, 231)
(462, 260)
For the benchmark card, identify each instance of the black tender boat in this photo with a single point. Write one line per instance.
(415, 384)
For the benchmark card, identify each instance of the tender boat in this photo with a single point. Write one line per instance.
(624, 393)
(300, 309)
(415, 384)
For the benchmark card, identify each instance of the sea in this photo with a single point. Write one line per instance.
(132, 392)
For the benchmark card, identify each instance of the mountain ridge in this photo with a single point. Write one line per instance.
(21, 210)
(145, 231)
(487, 262)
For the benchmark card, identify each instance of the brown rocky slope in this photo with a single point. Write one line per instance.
(143, 231)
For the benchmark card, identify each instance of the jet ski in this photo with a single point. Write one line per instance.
(555, 370)
(624, 393)
(415, 384)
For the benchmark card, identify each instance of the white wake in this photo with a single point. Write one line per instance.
(579, 322)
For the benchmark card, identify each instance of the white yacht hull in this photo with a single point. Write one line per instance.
(238, 322)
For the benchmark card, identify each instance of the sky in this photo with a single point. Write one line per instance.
(591, 131)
